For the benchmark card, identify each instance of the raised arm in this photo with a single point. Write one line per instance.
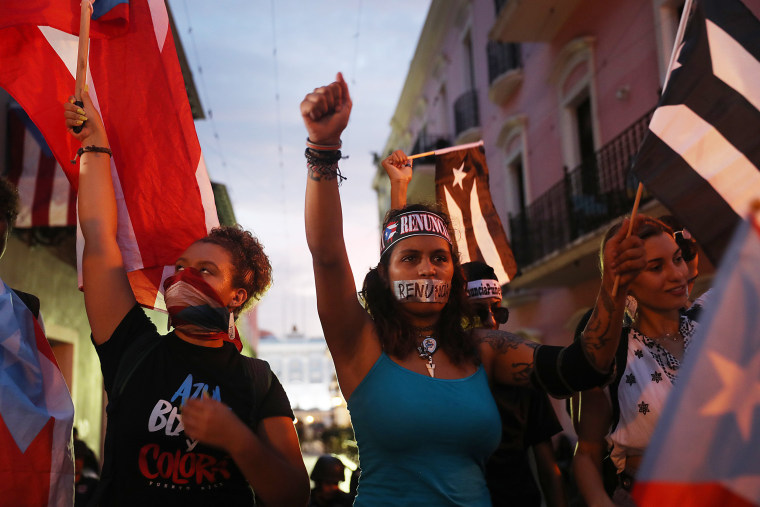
(624, 258)
(107, 293)
(346, 326)
(582, 365)
(399, 170)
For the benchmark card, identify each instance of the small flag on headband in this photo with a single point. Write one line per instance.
(701, 155)
(413, 223)
(461, 182)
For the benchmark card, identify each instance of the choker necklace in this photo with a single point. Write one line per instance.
(425, 329)
(426, 350)
(669, 336)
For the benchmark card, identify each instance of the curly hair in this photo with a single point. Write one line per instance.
(8, 201)
(397, 335)
(253, 271)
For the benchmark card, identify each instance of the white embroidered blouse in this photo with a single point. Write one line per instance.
(650, 373)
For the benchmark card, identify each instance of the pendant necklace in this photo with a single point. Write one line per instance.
(426, 350)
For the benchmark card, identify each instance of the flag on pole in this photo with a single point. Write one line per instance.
(109, 17)
(46, 198)
(36, 413)
(705, 450)
(461, 182)
(701, 155)
(163, 193)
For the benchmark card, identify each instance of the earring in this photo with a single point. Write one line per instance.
(631, 306)
(231, 328)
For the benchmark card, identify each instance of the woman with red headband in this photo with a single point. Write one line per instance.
(416, 382)
(190, 420)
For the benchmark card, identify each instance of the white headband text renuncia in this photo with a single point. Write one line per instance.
(479, 289)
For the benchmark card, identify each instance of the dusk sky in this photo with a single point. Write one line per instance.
(248, 53)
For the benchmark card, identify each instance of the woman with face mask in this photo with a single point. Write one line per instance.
(654, 340)
(191, 427)
(417, 382)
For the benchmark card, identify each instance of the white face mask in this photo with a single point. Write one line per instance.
(421, 291)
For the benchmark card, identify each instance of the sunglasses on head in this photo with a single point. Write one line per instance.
(687, 243)
(500, 314)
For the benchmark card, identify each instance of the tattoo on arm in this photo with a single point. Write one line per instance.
(502, 341)
(596, 335)
(521, 372)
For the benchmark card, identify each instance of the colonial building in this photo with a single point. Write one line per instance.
(305, 369)
(561, 92)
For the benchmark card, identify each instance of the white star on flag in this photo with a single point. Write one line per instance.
(459, 176)
(740, 393)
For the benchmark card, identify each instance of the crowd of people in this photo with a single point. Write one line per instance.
(448, 408)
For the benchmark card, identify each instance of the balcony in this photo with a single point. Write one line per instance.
(530, 21)
(504, 70)
(466, 115)
(591, 195)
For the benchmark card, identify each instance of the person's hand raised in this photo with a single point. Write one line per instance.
(623, 257)
(325, 112)
(398, 167)
(93, 132)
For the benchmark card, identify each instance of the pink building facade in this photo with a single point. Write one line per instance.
(560, 91)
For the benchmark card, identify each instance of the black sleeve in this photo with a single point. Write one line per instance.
(135, 323)
(561, 371)
(542, 423)
(31, 301)
(276, 403)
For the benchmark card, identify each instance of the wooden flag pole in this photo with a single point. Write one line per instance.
(84, 47)
(630, 230)
(421, 155)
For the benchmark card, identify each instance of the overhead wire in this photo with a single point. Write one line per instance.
(205, 96)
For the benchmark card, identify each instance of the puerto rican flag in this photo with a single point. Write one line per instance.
(701, 155)
(46, 198)
(36, 413)
(705, 450)
(390, 231)
(163, 193)
(461, 183)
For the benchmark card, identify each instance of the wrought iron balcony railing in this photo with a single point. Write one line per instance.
(502, 57)
(466, 112)
(429, 142)
(591, 195)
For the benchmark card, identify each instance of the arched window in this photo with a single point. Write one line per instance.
(579, 128)
(512, 140)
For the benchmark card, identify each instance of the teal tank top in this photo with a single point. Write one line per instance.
(423, 441)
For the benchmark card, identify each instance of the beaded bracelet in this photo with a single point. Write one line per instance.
(323, 164)
(323, 147)
(86, 149)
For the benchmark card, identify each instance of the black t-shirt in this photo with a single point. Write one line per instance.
(527, 418)
(154, 463)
